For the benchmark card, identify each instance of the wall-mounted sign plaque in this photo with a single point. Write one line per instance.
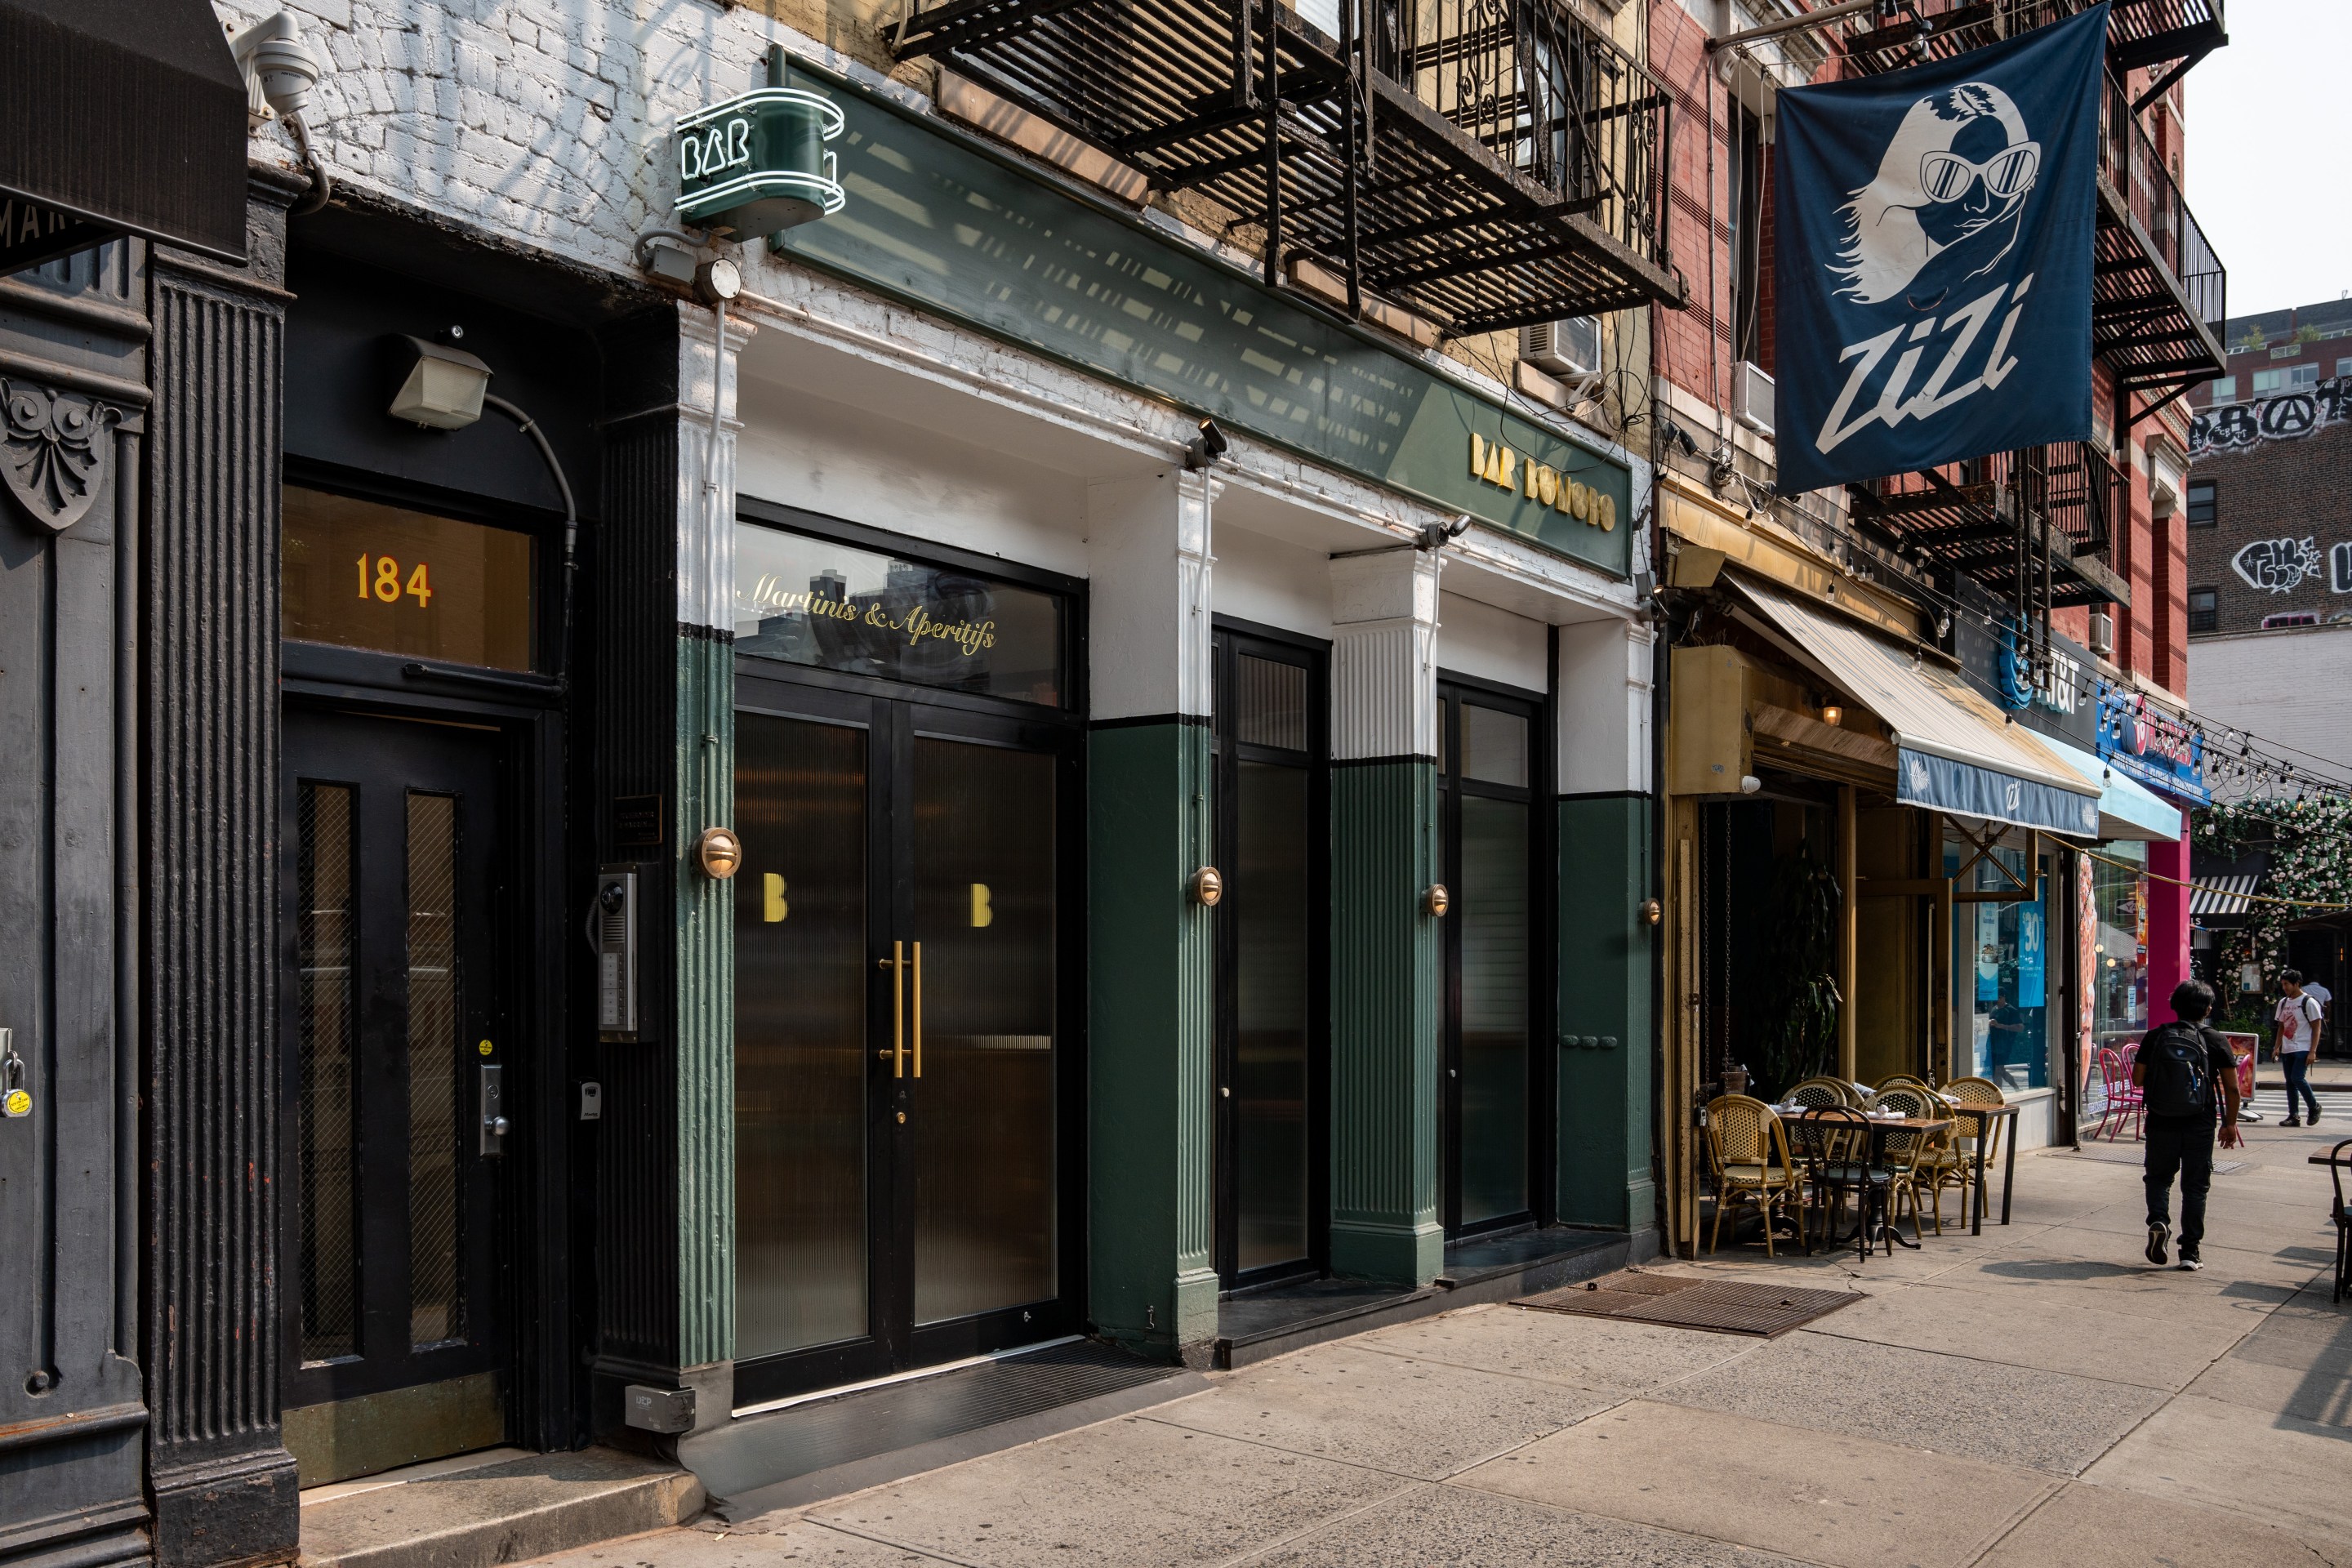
(758, 164)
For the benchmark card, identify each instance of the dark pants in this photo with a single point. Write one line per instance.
(2297, 1068)
(2185, 1144)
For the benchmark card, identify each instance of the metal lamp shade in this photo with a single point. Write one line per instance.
(443, 389)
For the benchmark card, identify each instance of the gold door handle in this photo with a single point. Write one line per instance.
(897, 965)
(919, 1009)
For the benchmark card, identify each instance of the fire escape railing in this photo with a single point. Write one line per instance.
(2030, 526)
(2174, 34)
(1486, 163)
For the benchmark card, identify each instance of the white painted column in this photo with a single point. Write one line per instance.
(1605, 707)
(1147, 545)
(1384, 654)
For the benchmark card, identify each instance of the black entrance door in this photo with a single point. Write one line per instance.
(399, 1003)
(906, 970)
(1490, 1091)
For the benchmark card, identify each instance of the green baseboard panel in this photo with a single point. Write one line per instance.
(1606, 1098)
(1150, 1047)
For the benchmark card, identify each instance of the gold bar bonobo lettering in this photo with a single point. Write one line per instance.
(1498, 464)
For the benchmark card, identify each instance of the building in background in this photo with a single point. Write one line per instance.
(2023, 613)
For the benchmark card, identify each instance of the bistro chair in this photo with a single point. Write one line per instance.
(1833, 1144)
(1909, 1154)
(2124, 1099)
(1902, 1080)
(1750, 1152)
(1960, 1169)
(1816, 1092)
(2343, 1218)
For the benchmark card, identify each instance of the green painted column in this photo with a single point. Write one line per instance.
(704, 934)
(1385, 958)
(1606, 1109)
(1151, 985)
(1385, 978)
(1150, 1018)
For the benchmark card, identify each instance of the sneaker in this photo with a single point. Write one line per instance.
(2190, 1260)
(2290, 1121)
(2158, 1236)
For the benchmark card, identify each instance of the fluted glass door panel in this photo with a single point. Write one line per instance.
(982, 1141)
(802, 1208)
(1493, 908)
(1271, 907)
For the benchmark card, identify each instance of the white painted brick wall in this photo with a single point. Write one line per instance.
(545, 123)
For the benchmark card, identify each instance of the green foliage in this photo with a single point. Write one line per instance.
(1797, 1036)
(2310, 845)
(2252, 339)
(2306, 334)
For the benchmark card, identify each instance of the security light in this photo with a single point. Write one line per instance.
(443, 389)
(1206, 448)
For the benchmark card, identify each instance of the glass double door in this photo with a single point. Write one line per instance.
(401, 1012)
(904, 1124)
(1490, 1092)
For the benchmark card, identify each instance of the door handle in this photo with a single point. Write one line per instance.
(919, 1009)
(495, 1125)
(897, 1055)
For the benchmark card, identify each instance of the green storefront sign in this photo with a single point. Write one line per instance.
(758, 164)
(949, 223)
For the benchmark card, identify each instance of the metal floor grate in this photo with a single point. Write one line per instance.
(1677, 1301)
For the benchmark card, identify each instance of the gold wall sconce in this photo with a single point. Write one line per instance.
(1435, 900)
(1652, 911)
(718, 852)
(1207, 886)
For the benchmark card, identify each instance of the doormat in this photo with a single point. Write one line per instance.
(1675, 1301)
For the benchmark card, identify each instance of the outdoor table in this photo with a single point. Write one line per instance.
(1881, 1129)
(1984, 1116)
(2329, 1159)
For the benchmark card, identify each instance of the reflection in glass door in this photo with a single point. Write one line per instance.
(1489, 1093)
(901, 992)
(1269, 784)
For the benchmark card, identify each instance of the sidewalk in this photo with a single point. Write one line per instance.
(2039, 1395)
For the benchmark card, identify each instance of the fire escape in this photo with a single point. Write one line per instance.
(2036, 528)
(1482, 163)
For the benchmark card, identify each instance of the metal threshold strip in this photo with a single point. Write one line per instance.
(915, 1374)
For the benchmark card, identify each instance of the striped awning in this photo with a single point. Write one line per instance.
(2224, 895)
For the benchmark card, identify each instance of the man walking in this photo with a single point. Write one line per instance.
(2298, 1030)
(2184, 1071)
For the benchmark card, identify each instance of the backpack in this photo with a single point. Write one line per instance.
(2178, 1079)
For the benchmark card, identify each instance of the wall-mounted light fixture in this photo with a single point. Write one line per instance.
(1206, 887)
(718, 852)
(1205, 447)
(444, 386)
(1435, 900)
(1832, 714)
(1652, 911)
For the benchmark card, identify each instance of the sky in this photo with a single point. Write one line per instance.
(2266, 174)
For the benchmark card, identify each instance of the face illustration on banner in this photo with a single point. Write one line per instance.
(1946, 201)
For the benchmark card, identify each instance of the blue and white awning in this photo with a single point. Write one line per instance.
(2127, 809)
(1955, 751)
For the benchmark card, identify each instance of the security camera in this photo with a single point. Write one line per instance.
(273, 55)
(1438, 535)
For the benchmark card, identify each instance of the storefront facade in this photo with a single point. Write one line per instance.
(824, 826)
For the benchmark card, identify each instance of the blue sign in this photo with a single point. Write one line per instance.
(2032, 987)
(1932, 271)
(2150, 746)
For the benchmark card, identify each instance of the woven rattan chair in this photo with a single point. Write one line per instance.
(1952, 1164)
(1910, 1156)
(1902, 1080)
(1750, 1152)
(1822, 1091)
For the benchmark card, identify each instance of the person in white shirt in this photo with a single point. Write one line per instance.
(2298, 1018)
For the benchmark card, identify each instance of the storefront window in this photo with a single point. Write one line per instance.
(2119, 946)
(816, 602)
(2000, 972)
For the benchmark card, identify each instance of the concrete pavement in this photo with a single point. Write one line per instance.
(2039, 1395)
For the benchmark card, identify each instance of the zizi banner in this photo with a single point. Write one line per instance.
(1933, 267)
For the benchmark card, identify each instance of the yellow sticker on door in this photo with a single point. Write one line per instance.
(772, 906)
(981, 913)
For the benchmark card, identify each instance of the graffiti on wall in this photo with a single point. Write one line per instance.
(2277, 565)
(2237, 426)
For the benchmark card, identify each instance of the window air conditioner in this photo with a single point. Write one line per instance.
(2103, 634)
(1751, 397)
(1571, 347)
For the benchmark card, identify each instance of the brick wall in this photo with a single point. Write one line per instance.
(1692, 347)
(2295, 490)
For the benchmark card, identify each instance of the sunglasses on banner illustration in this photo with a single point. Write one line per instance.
(1947, 176)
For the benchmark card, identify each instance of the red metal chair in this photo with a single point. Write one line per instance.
(2125, 1101)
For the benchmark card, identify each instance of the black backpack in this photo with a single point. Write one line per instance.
(2177, 1076)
